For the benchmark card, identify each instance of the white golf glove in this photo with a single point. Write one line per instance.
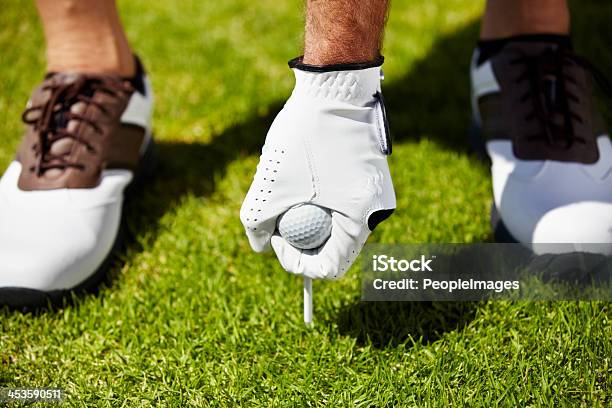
(328, 147)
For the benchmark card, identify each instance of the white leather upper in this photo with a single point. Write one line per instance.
(55, 239)
(324, 147)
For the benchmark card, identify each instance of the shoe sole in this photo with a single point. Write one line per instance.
(25, 299)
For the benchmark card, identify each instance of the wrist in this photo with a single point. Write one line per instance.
(335, 54)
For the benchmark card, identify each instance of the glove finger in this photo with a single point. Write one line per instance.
(332, 259)
(259, 236)
(288, 255)
(259, 218)
(337, 255)
(281, 181)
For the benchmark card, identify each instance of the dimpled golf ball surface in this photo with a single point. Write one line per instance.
(305, 226)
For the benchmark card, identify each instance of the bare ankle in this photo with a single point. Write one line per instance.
(85, 36)
(90, 60)
(507, 18)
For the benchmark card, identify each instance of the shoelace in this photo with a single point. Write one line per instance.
(51, 118)
(547, 75)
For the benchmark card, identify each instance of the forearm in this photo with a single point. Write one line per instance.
(343, 31)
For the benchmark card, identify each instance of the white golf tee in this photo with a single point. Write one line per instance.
(307, 300)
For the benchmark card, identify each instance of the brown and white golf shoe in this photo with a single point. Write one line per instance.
(551, 155)
(88, 142)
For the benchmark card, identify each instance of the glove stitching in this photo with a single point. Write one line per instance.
(364, 218)
(377, 201)
(381, 136)
(314, 176)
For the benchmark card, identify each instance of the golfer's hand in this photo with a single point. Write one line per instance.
(327, 146)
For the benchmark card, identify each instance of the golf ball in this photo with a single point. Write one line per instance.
(305, 226)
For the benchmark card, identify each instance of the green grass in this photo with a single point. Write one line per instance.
(193, 317)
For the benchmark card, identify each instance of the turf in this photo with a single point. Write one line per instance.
(193, 318)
